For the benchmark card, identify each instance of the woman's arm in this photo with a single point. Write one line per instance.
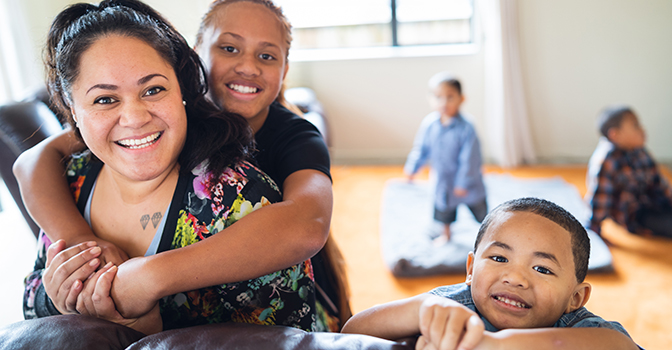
(266, 240)
(40, 172)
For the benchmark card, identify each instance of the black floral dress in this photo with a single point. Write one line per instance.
(203, 205)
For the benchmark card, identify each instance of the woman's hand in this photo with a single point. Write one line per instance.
(95, 300)
(65, 271)
(109, 251)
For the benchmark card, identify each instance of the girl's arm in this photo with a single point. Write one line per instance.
(40, 173)
(266, 240)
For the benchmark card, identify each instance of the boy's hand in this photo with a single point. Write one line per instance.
(460, 192)
(447, 325)
(410, 177)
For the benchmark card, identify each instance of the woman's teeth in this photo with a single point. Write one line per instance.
(512, 302)
(141, 143)
(243, 89)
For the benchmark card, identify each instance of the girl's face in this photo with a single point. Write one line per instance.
(128, 106)
(244, 50)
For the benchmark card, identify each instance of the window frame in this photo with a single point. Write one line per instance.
(394, 50)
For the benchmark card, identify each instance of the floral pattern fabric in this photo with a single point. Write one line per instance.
(210, 204)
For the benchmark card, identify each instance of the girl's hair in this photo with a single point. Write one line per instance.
(208, 19)
(445, 78)
(221, 138)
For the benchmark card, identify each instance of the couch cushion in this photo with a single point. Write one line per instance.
(248, 336)
(67, 332)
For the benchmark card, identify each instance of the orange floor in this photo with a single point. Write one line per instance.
(636, 294)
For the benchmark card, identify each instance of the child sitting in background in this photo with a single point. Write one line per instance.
(623, 180)
(449, 142)
(527, 271)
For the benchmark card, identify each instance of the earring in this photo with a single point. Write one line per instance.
(184, 102)
(75, 119)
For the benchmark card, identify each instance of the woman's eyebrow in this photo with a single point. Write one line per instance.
(150, 77)
(102, 86)
(115, 87)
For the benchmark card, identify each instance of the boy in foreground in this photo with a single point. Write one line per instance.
(524, 289)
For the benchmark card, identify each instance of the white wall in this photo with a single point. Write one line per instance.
(577, 57)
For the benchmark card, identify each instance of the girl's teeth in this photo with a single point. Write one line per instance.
(243, 89)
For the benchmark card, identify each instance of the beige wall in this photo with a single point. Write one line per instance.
(577, 57)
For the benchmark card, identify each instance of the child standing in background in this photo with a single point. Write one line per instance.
(449, 142)
(623, 180)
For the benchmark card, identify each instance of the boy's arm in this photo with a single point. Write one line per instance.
(41, 176)
(420, 151)
(393, 320)
(557, 339)
(469, 161)
(602, 200)
(443, 322)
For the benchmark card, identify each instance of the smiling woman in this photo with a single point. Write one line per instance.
(135, 120)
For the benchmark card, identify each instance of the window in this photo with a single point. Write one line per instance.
(329, 24)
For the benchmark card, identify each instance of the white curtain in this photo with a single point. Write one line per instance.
(18, 72)
(508, 127)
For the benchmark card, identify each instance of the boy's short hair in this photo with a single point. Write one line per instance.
(555, 213)
(612, 117)
(445, 78)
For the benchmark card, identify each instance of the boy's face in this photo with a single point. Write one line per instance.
(629, 135)
(446, 100)
(522, 274)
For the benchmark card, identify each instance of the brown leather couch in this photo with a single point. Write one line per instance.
(70, 332)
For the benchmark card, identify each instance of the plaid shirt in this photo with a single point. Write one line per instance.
(624, 183)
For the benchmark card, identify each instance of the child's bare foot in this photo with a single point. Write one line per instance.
(443, 238)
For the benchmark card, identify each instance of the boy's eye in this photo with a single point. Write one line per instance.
(499, 259)
(104, 100)
(543, 270)
(155, 90)
(266, 57)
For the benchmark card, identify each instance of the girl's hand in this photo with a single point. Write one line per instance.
(132, 290)
(65, 271)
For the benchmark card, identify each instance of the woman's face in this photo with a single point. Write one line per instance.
(244, 50)
(128, 106)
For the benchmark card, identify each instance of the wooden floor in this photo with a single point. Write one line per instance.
(637, 294)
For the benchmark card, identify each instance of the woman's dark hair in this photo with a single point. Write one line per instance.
(221, 138)
(549, 210)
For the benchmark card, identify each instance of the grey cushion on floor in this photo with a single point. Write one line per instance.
(407, 227)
